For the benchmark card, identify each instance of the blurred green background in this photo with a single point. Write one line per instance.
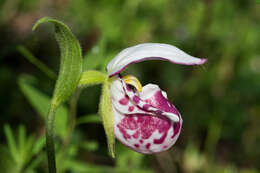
(219, 101)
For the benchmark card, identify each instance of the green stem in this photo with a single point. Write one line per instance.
(50, 139)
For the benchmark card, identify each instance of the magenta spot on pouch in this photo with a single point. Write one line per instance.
(147, 146)
(165, 146)
(124, 101)
(131, 108)
(136, 135)
(144, 126)
(136, 146)
(149, 124)
(146, 106)
(136, 99)
(129, 123)
(123, 132)
(176, 130)
(160, 140)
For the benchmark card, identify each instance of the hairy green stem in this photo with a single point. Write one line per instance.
(50, 140)
(71, 123)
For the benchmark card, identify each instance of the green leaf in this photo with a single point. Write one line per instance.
(27, 151)
(41, 103)
(92, 118)
(7, 163)
(38, 145)
(71, 61)
(31, 58)
(91, 77)
(22, 142)
(106, 112)
(258, 1)
(11, 143)
(22, 150)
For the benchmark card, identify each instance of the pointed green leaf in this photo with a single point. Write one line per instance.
(71, 61)
(27, 152)
(32, 59)
(22, 142)
(106, 112)
(38, 145)
(11, 142)
(91, 77)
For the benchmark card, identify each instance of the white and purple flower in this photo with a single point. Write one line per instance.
(144, 119)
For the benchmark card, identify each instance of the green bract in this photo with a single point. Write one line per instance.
(71, 61)
(106, 112)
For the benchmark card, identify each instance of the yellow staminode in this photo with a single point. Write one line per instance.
(131, 80)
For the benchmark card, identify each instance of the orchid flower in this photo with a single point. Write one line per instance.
(144, 119)
(140, 117)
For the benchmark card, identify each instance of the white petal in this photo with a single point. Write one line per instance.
(150, 51)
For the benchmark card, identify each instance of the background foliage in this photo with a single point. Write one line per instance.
(219, 102)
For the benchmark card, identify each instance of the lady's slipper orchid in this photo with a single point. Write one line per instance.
(144, 119)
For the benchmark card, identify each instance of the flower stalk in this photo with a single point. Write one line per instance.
(50, 145)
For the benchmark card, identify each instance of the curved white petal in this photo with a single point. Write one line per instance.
(150, 51)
